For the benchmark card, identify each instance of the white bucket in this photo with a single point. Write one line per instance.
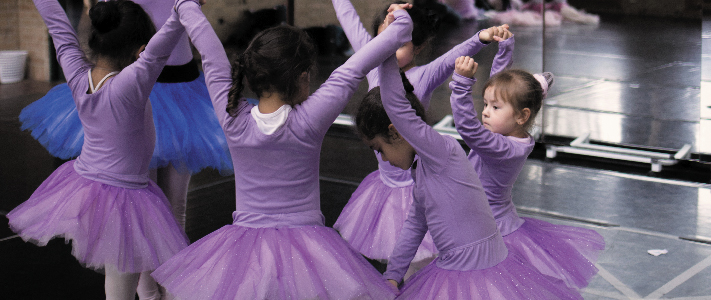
(12, 66)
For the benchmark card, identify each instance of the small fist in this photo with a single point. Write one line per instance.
(496, 33)
(393, 282)
(465, 66)
(394, 7)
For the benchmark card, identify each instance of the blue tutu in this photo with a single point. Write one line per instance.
(188, 135)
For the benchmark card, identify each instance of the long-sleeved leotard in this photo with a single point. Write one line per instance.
(277, 192)
(449, 200)
(103, 201)
(121, 157)
(474, 261)
(564, 252)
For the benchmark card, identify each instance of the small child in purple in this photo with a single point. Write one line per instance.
(499, 148)
(449, 201)
(117, 219)
(277, 246)
(373, 217)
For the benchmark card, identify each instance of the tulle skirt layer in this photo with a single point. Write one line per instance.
(188, 135)
(374, 216)
(564, 252)
(130, 229)
(513, 278)
(237, 262)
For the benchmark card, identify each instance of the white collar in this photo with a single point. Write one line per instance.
(269, 123)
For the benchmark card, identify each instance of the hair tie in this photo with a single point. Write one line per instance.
(546, 80)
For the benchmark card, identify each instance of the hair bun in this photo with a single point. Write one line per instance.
(546, 79)
(105, 16)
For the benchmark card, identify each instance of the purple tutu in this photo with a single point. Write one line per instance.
(513, 278)
(237, 262)
(564, 252)
(374, 216)
(131, 229)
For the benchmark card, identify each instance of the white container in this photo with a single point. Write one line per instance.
(12, 66)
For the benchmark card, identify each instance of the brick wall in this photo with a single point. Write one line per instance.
(9, 25)
(34, 38)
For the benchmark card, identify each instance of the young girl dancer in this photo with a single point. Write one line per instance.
(188, 136)
(277, 246)
(499, 149)
(117, 219)
(374, 215)
(449, 201)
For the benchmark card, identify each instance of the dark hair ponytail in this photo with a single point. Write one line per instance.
(371, 118)
(274, 61)
(118, 29)
(424, 23)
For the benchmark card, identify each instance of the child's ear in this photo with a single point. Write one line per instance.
(523, 116)
(140, 49)
(393, 134)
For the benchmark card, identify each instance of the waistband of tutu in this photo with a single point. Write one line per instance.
(182, 73)
(260, 220)
(482, 254)
(508, 221)
(129, 181)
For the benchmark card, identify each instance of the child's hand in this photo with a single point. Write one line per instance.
(394, 7)
(393, 282)
(465, 66)
(391, 17)
(496, 33)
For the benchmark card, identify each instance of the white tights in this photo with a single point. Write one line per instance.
(123, 286)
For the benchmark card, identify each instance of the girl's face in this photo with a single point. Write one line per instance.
(500, 116)
(394, 149)
(405, 54)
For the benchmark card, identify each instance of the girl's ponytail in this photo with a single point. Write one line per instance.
(237, 83)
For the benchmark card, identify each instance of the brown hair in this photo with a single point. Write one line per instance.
(520, 89)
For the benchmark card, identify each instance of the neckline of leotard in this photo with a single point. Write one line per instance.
(98, 85)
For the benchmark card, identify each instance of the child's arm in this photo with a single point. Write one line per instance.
(218, 72)
(136, 81)
(427, 142)
(69, 53)
(324, 105)
(357, 35)
(479, 139)
(160, 11)
(504, 57)
(410, 238)
(437, 71)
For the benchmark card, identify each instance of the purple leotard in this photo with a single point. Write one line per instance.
(564, 252)
(103, 201)
(369, 220)
(277, 246)
(474, 262)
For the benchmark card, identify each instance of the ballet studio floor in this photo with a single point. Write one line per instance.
(630, 80)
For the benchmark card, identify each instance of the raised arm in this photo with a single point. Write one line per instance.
(215, 64)
(160, 11)
(324, 105)
(357, 35)
(437, 71)
(145, 71)
(69, 53)
(410, 238)
(482, 141)
(427, 142)
(504, 57)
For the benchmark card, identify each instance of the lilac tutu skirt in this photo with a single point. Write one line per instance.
(237, 262)
(513, 278)
(373, 219)
(564, 252)
(131, 229)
